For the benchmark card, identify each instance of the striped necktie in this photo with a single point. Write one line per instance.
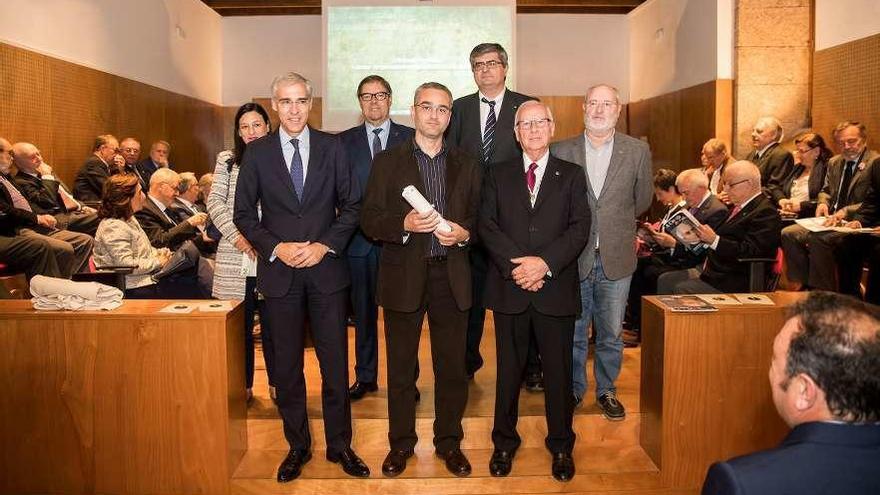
(489, 131)
(296, 169)
(18, 201)
(377, 143)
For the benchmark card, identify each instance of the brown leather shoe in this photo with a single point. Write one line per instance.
(456, 462)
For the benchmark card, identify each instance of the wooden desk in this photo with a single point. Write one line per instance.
(705, 395)
(129, 401)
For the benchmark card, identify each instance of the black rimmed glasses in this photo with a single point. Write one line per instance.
(380, 96)
(487, 65)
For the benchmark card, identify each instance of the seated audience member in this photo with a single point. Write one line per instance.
(825, 380)
(158, 159)
(121, 241)
(798, 195)
(774, 161)
(714, 157)
(184, 206)
(130, 148)
(159, 221)
(750, 231)
(855, 249)
(29, 241)
(809, 256)
(669, 255)
(46, 194)
(104, 162)
(206, 181)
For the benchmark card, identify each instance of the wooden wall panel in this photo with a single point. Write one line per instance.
(845, 87)
(60, 107)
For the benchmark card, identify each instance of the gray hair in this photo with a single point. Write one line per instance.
(716, 145)
(187, 180)
(163, 175)
(430, 85)
(290, 79)
(693, 177)
(531, 103)
(773, 123)
(597, 86)
(484, 48)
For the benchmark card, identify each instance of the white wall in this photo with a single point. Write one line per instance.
(675, 44)
(842, 21)
(171, 44)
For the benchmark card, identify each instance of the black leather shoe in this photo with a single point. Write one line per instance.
(360, 389)
(563, 466)
(534, 382)
(291, 467)
(395, 462)
(500, 463)
(456, 462)
(351, 463)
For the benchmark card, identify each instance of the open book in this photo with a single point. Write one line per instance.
(683, 226)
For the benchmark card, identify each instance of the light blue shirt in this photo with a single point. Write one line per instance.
(383, 136)
(287, 149)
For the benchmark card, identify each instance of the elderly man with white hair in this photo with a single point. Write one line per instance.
(774, 161)
(162, 225)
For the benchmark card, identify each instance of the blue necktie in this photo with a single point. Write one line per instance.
(377, 143)
(489, 132)
(296, 169)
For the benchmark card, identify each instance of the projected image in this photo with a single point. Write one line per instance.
(407, 46)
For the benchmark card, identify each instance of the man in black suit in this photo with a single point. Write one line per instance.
(534, 222)
(104, 162)
(161, 224)
(301, 179)
(184, 207)
(853, 251)
(362, 143)
(823, 376)
(750, 231)
(423, 269)
(774, 161)
(130, 149)
(482, 125)
(47, 195)
(158, 158)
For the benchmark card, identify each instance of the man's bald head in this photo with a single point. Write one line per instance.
(26, 157)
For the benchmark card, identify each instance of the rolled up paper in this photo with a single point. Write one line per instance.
(421, 205)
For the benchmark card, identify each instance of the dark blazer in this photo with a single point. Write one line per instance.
(89, 183)
(775, 164)
(360, 155)
(402, 268)
(465, 132)
(753, 233)
(556, 230)
(145, 169)
(161, 232)
(327, 213)
(41, 193)
(12, 218)
(815, 184)
(815, 458)
(858, 186)
(713, 213)
(869, 209)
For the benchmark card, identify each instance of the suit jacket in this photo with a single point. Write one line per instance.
(182, 212)
(465, 131)
(402, 268)
(775, 164)
(42, 194)
(868, 212)
(12, 218)
(626, 194)
(814, 184)
(753, 233)
(815, 458)
(327, 212)
(858, 186)
(161, 232)
(555, 229)
(359, 151)
(89, 183)
(713, 213)
(145, 169)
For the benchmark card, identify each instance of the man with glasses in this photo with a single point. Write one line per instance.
(130, 149)
(104, 162)
(482, 124)
(362, 143)
(750, 231)
(161, 224)
(534, 220)
(714, 157)
(424, 268)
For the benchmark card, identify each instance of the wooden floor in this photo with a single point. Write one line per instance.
(607, 454)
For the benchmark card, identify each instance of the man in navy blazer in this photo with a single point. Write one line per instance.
(482, 125)
(825, 379)
(301, 180)
(362, 143)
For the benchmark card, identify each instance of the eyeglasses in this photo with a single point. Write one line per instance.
(131, 150)
(380, 96)
(428, 108)
(728, 185)
(487, 65)
(537, 124)
(286, 103)
(803, 152)
(606, 104)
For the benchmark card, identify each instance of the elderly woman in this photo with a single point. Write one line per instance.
(234, 275)
(798, 194)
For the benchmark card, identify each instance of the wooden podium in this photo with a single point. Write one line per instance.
(129, 401)
(704, 394)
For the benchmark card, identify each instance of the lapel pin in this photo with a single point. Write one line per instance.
(556, 173)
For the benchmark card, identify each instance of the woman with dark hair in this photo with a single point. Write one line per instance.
(235, 265)
(120, 240)
(799, 192)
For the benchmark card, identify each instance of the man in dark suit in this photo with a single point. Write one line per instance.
(130, 149)
(184, 207)
(534, 221)
(424, 269)
(104, 162)
(853, 251)
(301, 179)
(158, 158)
(823, 376)
(47, 195)
(161, 224)
(774, 161)
(482, 125)
(750, 231)
(362, 143)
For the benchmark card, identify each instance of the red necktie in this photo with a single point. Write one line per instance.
(734, 212)
(530, 177)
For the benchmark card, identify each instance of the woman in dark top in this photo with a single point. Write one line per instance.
(796, 196)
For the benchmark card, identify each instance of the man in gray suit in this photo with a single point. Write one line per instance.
(620, 188)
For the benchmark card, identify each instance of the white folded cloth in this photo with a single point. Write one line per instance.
(52, 293)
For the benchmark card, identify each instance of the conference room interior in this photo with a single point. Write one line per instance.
(687, 71)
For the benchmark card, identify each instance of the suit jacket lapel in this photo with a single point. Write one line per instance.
(549, 183)
(395, 136)
(317, 167)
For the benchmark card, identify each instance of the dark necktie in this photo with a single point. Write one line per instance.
(843, 194)
(489, 132)
(377, 143)
(296, 169)
(530, 177)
